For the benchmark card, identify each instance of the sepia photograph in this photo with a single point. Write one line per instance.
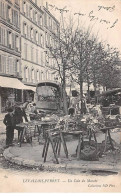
(60, 96)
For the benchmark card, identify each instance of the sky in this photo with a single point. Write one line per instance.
(103, 15)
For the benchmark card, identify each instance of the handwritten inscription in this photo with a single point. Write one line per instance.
(91, 15)
(110, 9)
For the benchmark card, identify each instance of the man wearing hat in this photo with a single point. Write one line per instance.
(9, 121)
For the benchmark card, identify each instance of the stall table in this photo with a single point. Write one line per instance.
(39, 127)
(107, 130)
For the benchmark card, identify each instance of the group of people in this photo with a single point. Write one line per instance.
(14, 116)
(77, 106)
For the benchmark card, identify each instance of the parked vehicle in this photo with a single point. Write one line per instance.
(48, 96)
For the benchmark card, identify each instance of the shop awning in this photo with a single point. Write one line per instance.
(8, 82)
(32, 88)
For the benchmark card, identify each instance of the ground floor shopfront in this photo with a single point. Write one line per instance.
(13, 91)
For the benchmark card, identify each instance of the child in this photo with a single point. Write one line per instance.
(9, 121)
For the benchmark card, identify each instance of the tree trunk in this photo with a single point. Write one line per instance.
(64, 92)
(88, 92)
(81, 87)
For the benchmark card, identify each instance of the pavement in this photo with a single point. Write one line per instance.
(31, 156)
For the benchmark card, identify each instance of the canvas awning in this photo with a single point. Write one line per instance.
(32, 88)
(8, 82)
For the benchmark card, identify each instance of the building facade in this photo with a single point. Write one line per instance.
(27, 28)
(51, 27)
(10, 50)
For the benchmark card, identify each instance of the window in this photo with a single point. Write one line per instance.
(30, 12)
(35, 17)
(45, 19)
(25, 29)
(36, 37)
(10, 64)
(2, 10)
(17, 43)
(3, 36)
(18, 66)
(41, 58)
(41, 20)
(24, 7)
(32, 74)
(10, 39)
(37, 75)
(41, 39)
(13, 40)
(9, 13)
(16, 18)
(31, 33)
(26, 73)
(36, 56)
(25, 50)
(46, 38)
(32, 50)
(27, 10)
(42, 75)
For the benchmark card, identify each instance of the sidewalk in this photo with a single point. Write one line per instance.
(31, 156)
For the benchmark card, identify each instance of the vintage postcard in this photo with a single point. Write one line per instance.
(60, 96)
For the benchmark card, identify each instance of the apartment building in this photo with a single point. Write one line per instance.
(51, 26)
(27, 28)
(32, 43)
(10, 52)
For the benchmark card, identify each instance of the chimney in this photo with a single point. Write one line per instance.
(47, 5)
